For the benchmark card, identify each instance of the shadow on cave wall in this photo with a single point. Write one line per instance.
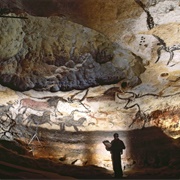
(149, 147)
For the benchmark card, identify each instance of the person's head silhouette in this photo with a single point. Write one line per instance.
(116, 135)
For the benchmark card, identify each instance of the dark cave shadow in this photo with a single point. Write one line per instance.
(148, 147)
(157, 150)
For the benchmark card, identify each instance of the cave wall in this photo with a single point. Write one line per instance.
(89, 73)
(44, 54)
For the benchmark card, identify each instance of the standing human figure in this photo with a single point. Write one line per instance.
(116, 150)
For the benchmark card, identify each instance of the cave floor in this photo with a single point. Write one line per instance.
(12, 171)
(16, 164)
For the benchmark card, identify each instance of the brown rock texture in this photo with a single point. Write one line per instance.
(55, 54)
(75, 72)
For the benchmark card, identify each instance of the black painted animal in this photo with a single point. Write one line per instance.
(68, 121)
(38, 120)
(169, 49)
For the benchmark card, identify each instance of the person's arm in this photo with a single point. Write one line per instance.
(124, 147)
(108, 148)
(121, 146)
(107, 145)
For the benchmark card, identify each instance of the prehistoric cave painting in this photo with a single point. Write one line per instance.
(140, 115)
(143, 42)
(4, 109)
(69, 121)
(149, 20)
(51, 103)
(6, 127)
(134, 100)
(38, 120)
(6, 122)
(157, 115)
(12, 116)
(100, 120)
(163, 46)
(82, 63)
(49, 106)
(11, 123)
(173, 115)
(169, 49)
(73, 99)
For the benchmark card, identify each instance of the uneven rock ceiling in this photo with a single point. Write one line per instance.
(88, 66)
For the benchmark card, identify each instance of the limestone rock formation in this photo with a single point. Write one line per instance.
(74, 72)
(54, 55)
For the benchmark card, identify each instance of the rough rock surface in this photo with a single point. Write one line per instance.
(121, 74)
(56, 55)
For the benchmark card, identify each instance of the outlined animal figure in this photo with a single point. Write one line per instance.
(38, 120)
(74, 102)
(163, 45)
(144, 109)
(37, 105)
(169, 49)
(69, 121)
(140, 115)
(52, 102)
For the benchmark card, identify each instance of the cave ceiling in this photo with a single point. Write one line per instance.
(47, 51)
(44, 54)
(87, 68)
(101, 48)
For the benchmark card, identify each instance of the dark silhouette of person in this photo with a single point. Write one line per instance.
(116, 150)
